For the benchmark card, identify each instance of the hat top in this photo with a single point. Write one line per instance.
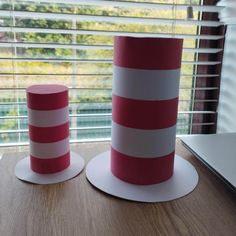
(46, 89)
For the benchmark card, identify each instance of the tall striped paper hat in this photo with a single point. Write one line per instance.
(48, 123)
(145, 90)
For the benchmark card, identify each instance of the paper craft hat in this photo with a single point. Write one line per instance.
(144, 114)
(50, 158)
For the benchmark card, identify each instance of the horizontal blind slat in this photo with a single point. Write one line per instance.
(109, 89)
(108, 74)
(87, 47)
(102, 61)
(132, 4)
(107, 114)
(111, 19)
(107, 33)
(83, 128)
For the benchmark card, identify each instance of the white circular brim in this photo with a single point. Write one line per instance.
(183, 181)
(24, 172)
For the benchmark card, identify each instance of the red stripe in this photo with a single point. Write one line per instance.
(48, 134)
(148, 53)
(142, 170)
(144, 114)
(47, 97)
(49, 166)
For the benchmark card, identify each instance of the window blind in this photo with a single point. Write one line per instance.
(71, 43)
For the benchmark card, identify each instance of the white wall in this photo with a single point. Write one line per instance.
(227, 100)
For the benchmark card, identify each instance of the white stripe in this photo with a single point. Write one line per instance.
(49, 118)
(49, 150)
(143, 143)
(145, 84)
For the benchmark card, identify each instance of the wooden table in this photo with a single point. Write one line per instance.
(76, 208)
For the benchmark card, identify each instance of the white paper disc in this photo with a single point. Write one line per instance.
(24, 172)
(183, 181)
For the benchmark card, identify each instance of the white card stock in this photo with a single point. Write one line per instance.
(183, 181)
(24, 172)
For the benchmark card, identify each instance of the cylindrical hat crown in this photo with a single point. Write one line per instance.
(48, 128)
(144, 108)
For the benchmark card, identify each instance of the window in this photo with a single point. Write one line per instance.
(70, 42)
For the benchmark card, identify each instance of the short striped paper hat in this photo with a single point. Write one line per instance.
(48, 121)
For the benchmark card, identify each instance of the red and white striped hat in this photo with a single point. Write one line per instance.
(49, 135)
(140, 165)
(144, 108)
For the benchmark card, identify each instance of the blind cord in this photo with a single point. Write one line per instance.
(174, 18)
(190, 11)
